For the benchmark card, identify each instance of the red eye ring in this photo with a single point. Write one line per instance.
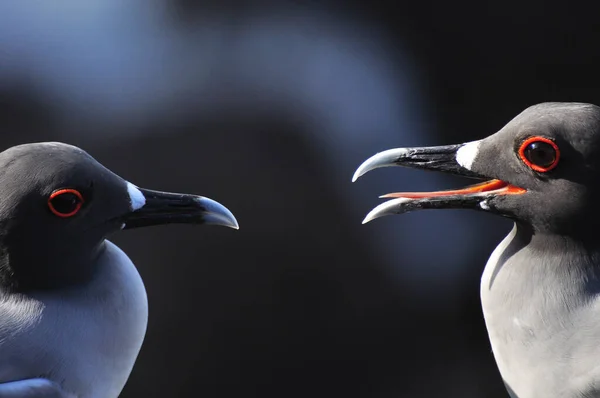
(533, 166)
(59, 192)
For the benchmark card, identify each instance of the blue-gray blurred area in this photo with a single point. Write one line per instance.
(269, 107)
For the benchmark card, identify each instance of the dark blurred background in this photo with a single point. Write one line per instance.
(269, 107)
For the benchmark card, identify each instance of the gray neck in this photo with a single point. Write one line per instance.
(23, 269)
(531, 260)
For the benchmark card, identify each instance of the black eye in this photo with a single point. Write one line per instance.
(65, 202)
(539, 153)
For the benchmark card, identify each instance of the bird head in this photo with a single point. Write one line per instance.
(58, 204)
(540, 169)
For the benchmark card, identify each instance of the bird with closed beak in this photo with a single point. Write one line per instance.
(540, 289)
(73, 308)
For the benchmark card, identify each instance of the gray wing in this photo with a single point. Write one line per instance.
(33, 388)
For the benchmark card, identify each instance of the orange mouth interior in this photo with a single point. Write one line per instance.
(498, 187)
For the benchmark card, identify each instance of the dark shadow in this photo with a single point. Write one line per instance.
(521, 239)
(510, 391)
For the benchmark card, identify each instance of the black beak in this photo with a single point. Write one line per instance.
(438, 158)
(450, 159)
(154, 208)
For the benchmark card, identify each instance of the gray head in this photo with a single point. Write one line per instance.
(543, 165)
(58, 204)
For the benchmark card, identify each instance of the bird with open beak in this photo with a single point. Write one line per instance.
(540, 289)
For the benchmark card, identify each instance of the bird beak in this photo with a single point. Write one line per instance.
(439, 158)
(154, 208)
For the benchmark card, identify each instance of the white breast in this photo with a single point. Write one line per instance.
(541, 309)
(86, 338)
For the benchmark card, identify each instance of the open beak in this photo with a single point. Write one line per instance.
(440, 158)
(154, 208)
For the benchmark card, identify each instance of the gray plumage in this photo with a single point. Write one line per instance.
(73, 308)
(540, 289)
